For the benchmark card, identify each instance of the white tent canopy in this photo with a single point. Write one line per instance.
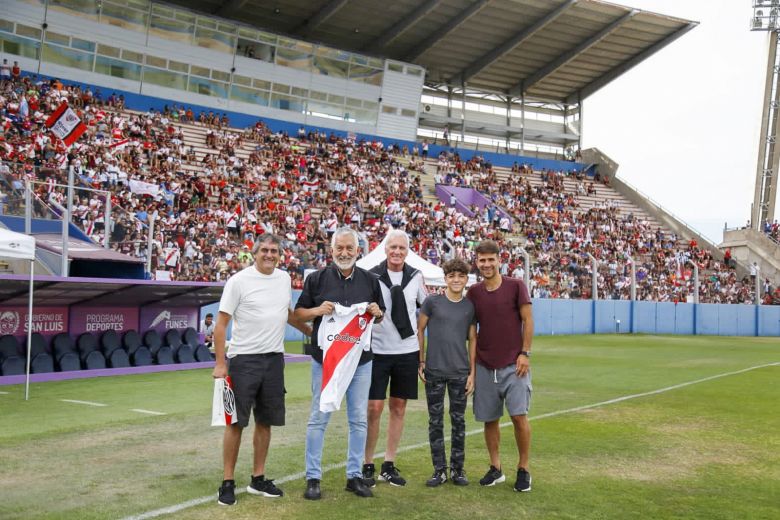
(16, 245)
(22, 247)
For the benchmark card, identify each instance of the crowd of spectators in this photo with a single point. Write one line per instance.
(211, 188)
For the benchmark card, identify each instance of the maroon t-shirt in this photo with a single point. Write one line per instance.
(500, 335)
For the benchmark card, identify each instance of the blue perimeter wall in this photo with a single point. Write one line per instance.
(601, 317)
(142, 102)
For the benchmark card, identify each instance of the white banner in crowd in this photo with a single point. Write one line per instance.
(144, 188)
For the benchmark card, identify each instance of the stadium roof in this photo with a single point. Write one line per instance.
(54, 290)
(553, 50)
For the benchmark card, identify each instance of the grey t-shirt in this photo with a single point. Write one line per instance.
(448, 331)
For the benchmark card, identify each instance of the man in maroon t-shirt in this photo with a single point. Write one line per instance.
(502, 365)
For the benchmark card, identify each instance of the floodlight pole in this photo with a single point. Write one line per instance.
(150, 243)
(66, 223)
(107, 222)
(27, 207)
(758, 285)
(765, 19)
(633, 277)
(527, 263)
(595, 276)
(695, 281)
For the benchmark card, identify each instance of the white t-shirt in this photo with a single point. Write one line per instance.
(385, 338)
(258, 304)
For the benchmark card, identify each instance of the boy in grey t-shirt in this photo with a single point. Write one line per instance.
(450, 321)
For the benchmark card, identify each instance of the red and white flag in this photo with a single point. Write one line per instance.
(223, 405)
(118, 145)
(65, 124)
(343, 336)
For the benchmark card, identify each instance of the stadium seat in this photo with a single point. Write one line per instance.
(12, 366)
(62, 343)
(9, 347)
(94, 360)
(152, 340)
(202, 353)
(86, 343)
(173, 338)
(185, 354)
(141, 357)
(190, 336)
(68, 362)
(109, 342)
(38, 344)
(131, 341)
(118, 359)
(164, 355)
(42, 364)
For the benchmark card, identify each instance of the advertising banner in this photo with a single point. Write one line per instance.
(45, 320)
(97, 320)
(163, 318)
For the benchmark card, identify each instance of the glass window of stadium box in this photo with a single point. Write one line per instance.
(84, 8)
(208, 87)
(365, 73)
(137, 57)
(285, 102)
(171, 25)
(68, 57)
(6, 26)
(117, 68)
(319, 109)
(20, 46)
(294, 54)
(249, 95)
(165, 78)
(178, 66)
(127, 14)
(28, 32)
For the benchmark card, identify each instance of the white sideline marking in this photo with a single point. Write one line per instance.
(211, 498)
(150, 412)
(89, 403)
(4, 393)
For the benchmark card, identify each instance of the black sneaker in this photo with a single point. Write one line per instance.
(439, 477)
(391, 475)
(369, 472)
(227, 493)
(357, 486)
(266, 488)
(492, 477)
(458, 477)
(312, 489)
(523, 482)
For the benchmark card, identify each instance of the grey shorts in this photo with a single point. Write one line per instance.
(258, 384)
(493, 388)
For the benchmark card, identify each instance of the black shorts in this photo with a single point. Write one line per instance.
(258, 383)
(398, 369)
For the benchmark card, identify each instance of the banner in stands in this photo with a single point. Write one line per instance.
(45, 320)
(162, 318)
(99, 319)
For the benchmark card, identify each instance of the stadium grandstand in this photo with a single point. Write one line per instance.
(456, 120)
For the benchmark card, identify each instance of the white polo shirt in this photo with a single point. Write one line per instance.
(258, 304)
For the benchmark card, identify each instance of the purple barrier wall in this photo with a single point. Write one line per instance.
(100, 319)
(465, 198)
(162, 317)
(46, 320)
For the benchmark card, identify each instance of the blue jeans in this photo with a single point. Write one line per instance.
(357, 416)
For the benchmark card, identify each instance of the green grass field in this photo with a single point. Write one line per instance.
(710, 449)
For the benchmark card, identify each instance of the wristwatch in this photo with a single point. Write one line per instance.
(525, 353)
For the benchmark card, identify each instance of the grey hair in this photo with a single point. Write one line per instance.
(266, 238)
(345, 231)
(398, 233)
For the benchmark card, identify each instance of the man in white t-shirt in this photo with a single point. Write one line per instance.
(396, 354)
(258, 300)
